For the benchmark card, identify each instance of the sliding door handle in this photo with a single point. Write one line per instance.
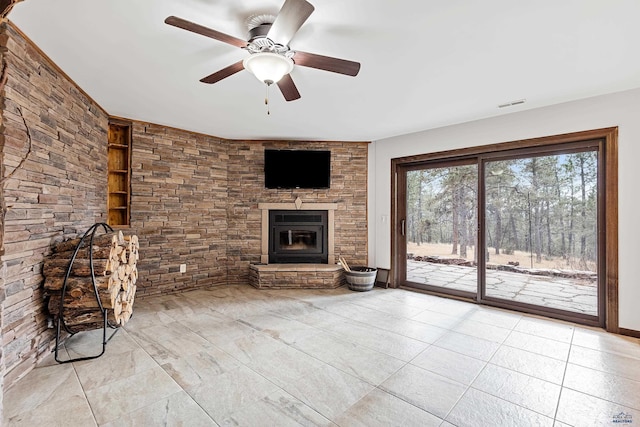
(402, 227)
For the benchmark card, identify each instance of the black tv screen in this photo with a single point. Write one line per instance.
(297, 169)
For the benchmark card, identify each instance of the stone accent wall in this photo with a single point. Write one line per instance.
(195, 201)
(178, 208)
(3, 74)
(246, 190)
(194, 198)
(59, 191)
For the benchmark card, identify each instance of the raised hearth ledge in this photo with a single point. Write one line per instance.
(297, 267)
(298, 205)
(296, 276)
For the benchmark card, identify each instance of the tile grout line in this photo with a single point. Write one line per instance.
(375, 386)
(84, 392)
(133, 337)
(470, 386)
(486, 363)
(564, 374)
(239, 320)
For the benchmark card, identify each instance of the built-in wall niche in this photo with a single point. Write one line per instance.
(119, 173)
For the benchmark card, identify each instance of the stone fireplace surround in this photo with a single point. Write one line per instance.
(265, 275)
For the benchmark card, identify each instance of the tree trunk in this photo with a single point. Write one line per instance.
(538, 232)
(498, 233)
(456, 222)
(548, 220)
(420, 213)
(464, 241)
(571, 248)
(583, 211)
(560, 208)
(514, 232)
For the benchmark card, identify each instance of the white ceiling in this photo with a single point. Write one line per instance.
(425, 63)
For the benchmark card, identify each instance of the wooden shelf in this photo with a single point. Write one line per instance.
(119, 173)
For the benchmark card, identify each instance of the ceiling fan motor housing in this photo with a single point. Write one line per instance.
(259, 32)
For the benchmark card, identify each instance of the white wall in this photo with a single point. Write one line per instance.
(619, 109)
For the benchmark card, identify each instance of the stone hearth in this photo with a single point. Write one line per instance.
(277, 276)
(301, 276)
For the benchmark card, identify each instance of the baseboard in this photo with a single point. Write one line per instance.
(630, 332)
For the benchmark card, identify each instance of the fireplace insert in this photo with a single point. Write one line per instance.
(298, 237)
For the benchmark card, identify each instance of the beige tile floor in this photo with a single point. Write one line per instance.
(239, 356)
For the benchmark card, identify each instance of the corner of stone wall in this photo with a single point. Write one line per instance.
(60, 149)
(3, 264)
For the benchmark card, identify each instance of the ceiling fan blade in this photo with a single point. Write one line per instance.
(208, 32)
(288, 88)
(224, 73)
(327, 63)
(289, 20)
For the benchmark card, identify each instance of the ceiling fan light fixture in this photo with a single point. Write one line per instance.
(268, 67)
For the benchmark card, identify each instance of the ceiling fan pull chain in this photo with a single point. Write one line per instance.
(266, 99)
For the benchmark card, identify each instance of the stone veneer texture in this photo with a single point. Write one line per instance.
(59, 191)
(194, 201)
(178, 208)
(246, 189)
(306, 278)
(194, 198)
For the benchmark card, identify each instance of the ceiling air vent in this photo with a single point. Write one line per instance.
(512, 103)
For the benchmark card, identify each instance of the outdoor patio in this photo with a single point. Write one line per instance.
(576, 295)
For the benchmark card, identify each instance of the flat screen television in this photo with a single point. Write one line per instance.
(297, 168)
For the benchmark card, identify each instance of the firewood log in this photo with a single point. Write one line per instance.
(81, 267)
(126, 302)
(86, 320)
(82, 300)
(102, 240)
(99, 252)
(115, 266)
(53, 283)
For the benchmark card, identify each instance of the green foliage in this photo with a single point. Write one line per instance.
(546, 205)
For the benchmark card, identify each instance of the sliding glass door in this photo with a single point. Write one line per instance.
(519, 229)
(541, 231)
(440, 230)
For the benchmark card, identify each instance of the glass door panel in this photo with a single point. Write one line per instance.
(440, 229)
(540, 231)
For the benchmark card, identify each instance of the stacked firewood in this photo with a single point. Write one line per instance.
(115, 260)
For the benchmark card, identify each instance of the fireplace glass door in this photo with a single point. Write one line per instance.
(297, 240)
(298, 237)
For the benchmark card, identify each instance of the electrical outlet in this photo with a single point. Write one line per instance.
(183, 268)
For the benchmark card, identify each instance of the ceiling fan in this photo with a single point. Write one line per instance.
(271, 59)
